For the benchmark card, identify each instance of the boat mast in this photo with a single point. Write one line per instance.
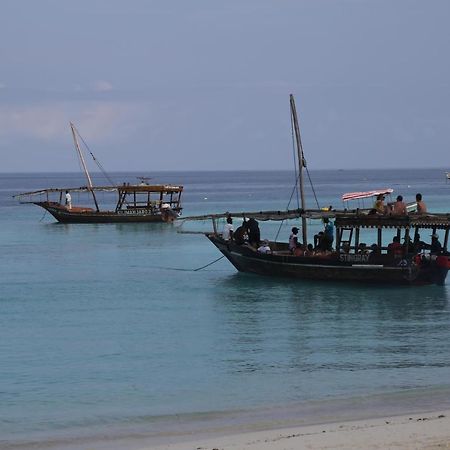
(83, 163)
(301, 164)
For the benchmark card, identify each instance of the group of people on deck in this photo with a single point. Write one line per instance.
(323, 242)
(247, 232)
(399, 207)
(397, 250)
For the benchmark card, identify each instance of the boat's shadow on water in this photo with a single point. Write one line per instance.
(241, 287)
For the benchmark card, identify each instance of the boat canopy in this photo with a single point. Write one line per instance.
(125, 188)
(360, 195)
(257, 215)
(144, 188)
(71, 189)
(343, 218)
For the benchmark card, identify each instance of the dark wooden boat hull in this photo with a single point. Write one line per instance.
(328, 268)
(88, 215)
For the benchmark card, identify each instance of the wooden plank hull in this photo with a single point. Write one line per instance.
(88, 215)
(327, 268)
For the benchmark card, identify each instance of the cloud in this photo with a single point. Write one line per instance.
(95, 120)
(2, 86)
(102, 86)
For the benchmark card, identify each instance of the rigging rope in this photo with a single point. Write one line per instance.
(297, 177)
(95, 160)
(312, 187)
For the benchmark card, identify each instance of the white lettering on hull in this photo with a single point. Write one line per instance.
(345, 257)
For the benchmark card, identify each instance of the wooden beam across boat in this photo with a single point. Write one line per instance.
(267, 215)
(69, 189)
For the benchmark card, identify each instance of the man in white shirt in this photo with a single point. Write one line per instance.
(68, 200)
(227, 233)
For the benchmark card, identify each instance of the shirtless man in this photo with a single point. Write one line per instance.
(399, 207)
(421, 207)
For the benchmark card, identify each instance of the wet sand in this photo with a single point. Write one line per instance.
(418, 431)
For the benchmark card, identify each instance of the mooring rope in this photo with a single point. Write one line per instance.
(191, 270)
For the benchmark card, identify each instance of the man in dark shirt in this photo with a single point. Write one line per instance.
(240, 234)
(436, 246)
(254, 235)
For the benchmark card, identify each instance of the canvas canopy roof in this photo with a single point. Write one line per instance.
(367, 194)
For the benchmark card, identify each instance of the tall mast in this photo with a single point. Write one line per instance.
(301, 164)
(83, 163)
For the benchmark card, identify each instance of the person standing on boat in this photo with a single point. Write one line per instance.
(328, 235)
(421, 207)
(240, 235)
(227, 233)
(399, 207)
(293, 239)
(68, 200)
(254, 234)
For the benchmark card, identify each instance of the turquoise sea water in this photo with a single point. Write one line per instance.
(101, 334)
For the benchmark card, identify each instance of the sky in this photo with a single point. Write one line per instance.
(157, 85)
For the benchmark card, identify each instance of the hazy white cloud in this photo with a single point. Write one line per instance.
(102, 86)
(2, 86)
(95, 120)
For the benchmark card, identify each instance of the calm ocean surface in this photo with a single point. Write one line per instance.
(99, 335)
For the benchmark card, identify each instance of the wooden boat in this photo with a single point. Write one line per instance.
(134, 202)
(351, 259)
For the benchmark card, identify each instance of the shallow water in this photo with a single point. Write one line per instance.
(100, 328)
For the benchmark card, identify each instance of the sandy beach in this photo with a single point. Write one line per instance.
(423, 431)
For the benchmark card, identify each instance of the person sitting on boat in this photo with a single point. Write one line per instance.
(395, 249)
(227, 233)
(435, 246)
(68, 200)
(264, 247)
(318, 240)
(254, 235)
(374, 249)
(301, 250)
(408, 246)
(362, 249)
(309, 250)
(399, 207)
(240, 235)
(418, 244)
(421, 207)
(379, 205)
(293, 239)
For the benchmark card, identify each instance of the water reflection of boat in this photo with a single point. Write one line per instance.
(135, 202)
(351, 259)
